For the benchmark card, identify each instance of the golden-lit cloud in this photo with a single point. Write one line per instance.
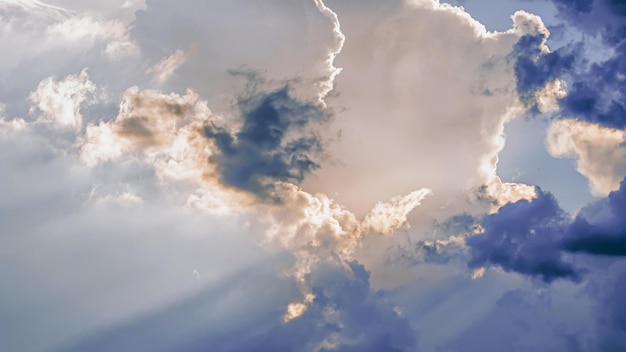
(600, 152)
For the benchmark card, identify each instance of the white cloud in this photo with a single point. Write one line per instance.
(165, 131)
(326, 86)
(48, 28)
(425, 95)
(386, 218)
(600, 152)
(12, 125)
(88, 30)
(165, 68)
(60, 101)
(547, 98)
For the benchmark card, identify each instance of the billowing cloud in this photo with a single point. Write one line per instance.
(308, 175)
(523, 237)
(530, 237)
(60, 101)
(444, 135)
(593, 83)
(600, 152)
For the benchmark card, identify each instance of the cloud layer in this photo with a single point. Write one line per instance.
(308, 175)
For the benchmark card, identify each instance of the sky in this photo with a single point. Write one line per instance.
(312, 175)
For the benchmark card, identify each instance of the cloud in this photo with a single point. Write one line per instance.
(522, 237)
(48, 28)
(536, 66)
(272, 144)
(63, 42)
(600, 152)
(525, 320)
(605, 290)
(165, 68)
(531, 237)
(435, 116)
(166, 131)
(319, 231)
(89, 30)
(61, 101)
(593, 81)
(605, 235)
(220, 138)
(340, 39)
(261, 150)
(91, 258)
(147, 121)
(388, 217)
(284, 40)
(346, 315)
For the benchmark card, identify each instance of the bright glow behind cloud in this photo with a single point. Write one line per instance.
(330, 167)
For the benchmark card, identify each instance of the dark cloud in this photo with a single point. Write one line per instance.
(595, 91)
(535, 69)
(529, 237)
(522, 237)
(532, 238)
(599, 245)
(606, 236)
(272, 145)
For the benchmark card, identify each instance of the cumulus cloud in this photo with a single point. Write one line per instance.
(388, 217)
(167, 132)
(318, 231)
(531, 237)
(445, 134)
(600, 152)
(301, 155)
(593, 84)
(522, 237)
(147, 120)
(60, 101)
(260, 151)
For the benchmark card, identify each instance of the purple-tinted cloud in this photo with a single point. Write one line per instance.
(346, 315)
(523, 237)
(595, 91)
(530, 237)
